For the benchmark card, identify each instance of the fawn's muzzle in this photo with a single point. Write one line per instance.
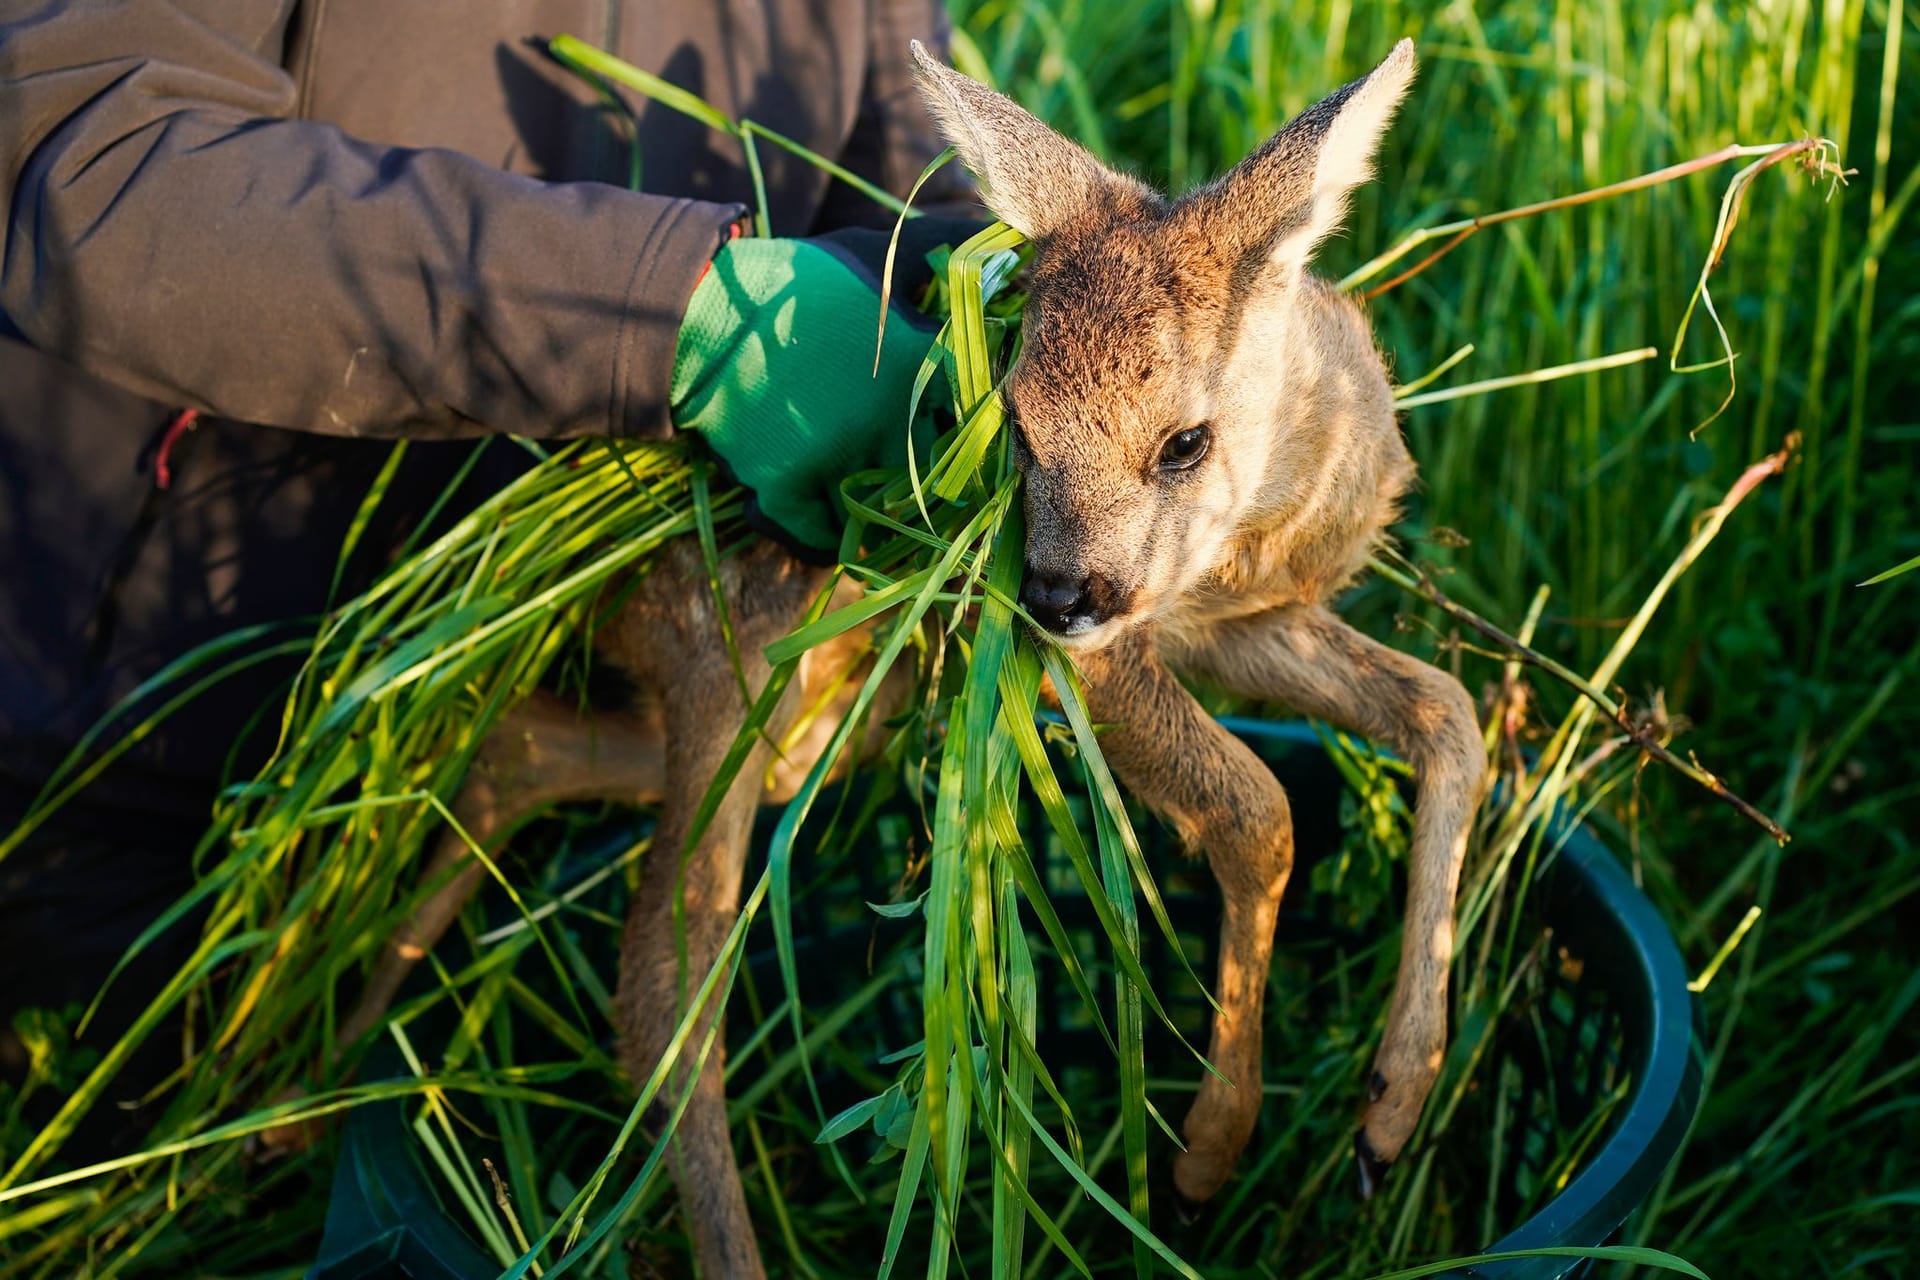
(1068, 604)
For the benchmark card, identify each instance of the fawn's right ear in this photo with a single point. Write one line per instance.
(1033, 179)
(1292, 192)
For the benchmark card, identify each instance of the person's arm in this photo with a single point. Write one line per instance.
(170, 229)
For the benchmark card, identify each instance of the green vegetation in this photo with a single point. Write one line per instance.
(1590, 487)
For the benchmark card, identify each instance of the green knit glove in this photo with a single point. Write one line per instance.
(775, 370)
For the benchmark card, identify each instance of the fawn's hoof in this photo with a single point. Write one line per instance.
(1188, 1212)
(1370, 1166)
(1198, 1176)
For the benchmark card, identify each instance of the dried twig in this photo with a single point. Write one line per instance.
(1644, 735)
(505, 1204)
(1816, 156)
(1812, 150)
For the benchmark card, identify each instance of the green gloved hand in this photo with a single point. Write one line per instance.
(775, 370)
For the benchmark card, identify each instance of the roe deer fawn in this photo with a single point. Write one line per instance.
(1209, 450)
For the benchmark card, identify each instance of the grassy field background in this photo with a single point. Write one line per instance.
(1798, 682)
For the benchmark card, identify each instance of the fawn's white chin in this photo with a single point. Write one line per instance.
(1084, 637)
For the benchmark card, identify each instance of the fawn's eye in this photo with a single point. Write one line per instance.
(1185, 448)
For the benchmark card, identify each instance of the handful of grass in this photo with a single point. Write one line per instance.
(309, 869)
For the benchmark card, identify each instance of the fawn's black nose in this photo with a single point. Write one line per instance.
(1062, 603)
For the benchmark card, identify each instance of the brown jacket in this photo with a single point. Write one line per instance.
(348, 218)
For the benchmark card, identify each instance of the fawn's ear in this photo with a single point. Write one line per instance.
(1292, 192)
(1032, 178)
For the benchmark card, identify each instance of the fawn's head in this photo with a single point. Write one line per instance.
(1182, 376)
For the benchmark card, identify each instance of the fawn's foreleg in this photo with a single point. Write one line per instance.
(656, 988)
(671, 639)
(1224, 802)
(1310, 660)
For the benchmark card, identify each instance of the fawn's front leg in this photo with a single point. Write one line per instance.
(1224, 802)
(670, 638)
(1310, 660)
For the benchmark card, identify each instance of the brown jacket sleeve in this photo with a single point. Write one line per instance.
(171, 229)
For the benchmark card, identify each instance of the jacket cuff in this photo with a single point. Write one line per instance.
(676, 253)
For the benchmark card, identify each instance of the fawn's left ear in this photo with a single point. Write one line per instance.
(1033, 179)
(1292, 192)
